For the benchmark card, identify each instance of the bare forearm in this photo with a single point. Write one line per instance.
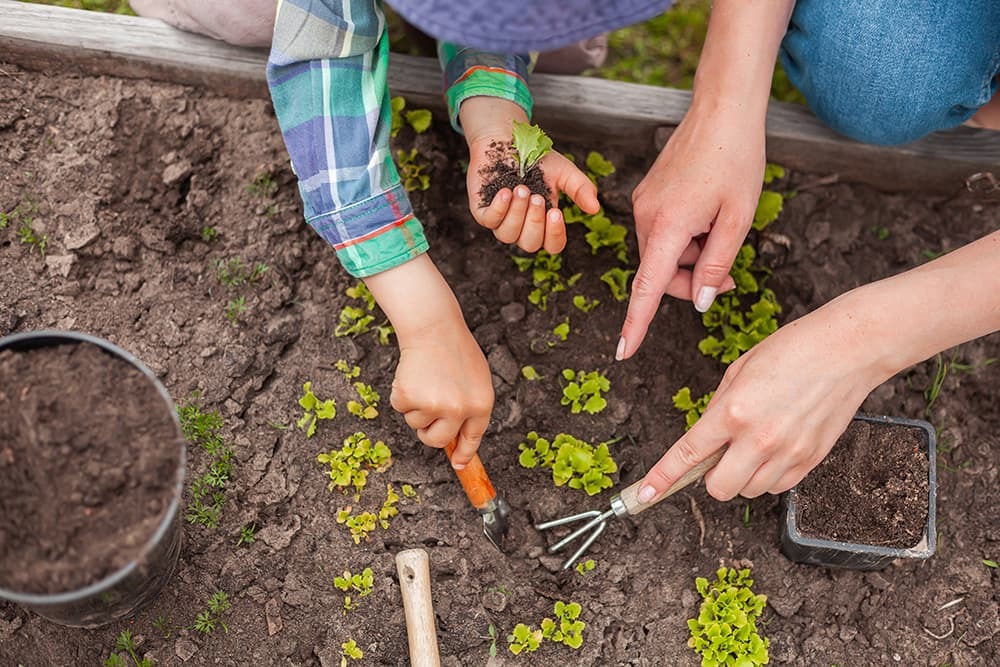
(416, 298)
(737, 61)
(907, 318)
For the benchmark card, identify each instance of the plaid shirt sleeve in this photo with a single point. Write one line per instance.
(468, 73)
(327, 75)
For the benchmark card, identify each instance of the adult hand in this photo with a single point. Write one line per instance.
(779, 408)
(693, 209)
(519, 216)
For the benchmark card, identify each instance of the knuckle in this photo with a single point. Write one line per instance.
(717, 489)
(735, 415)
(714, 272)
(687, 454)
(764, 443)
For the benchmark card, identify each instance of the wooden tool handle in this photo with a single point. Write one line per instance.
(474, 479)
(413, 568)
(630, 495)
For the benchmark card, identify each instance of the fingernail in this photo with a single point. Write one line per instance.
(522, 192)
(646, 493)
(537, 200)
(620, 352)
(706, 295)
(503, 195)
(458, 466)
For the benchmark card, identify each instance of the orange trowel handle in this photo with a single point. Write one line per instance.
(474, 479)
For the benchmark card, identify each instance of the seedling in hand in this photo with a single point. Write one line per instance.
(531, 144)
(314, 410)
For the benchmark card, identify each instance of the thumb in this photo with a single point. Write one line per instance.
(575, 184)
(467, 444)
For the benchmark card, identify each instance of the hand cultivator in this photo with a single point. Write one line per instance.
(625, 503)
(484, 498)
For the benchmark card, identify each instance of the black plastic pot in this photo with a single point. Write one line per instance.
(138, 582)
(832, 553)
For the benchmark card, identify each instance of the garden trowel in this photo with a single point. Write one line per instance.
(483, 497)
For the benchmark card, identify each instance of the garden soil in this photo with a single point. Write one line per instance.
(126, 174)
(500, 171)
(870, 489)
(88, 466)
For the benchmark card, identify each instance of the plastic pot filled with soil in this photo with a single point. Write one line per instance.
(91, 472)
(871, 501)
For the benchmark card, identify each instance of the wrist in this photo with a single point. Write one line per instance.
(485, 118)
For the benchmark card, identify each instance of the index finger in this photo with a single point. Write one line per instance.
(691, 449)
(657, 268)
(468, 440)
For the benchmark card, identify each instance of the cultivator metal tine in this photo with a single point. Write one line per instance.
(595, 526)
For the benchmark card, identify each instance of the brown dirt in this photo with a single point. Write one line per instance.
(870, 489)
(88, 465)
(148, 165)
(501, 172)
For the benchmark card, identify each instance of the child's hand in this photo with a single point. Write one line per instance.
(519, 216)
(442, 386)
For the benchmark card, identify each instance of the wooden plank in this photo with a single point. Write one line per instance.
(603, 113)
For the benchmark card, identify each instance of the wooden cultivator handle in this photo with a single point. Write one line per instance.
(413, 567)
(474, 479)
(630, 496)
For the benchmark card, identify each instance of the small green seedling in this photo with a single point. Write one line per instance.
(360, 525)
(411, 170)
(361, 583)
(746, 515)
(769, 207)
(567, 628)
(248, 534)
(388, 509)
(530, 374)
(545, 276)
(585, 304)
(234, 273)
(881, 233)
(990, 563)
(692, 409)
(598, 166)
(725, 631)
(585, 566)
(23, 213)
(357, 319)
(235, 308)
(418, 119)
(314, 410)
(584, 391)
(601, 232)
(491, 637)
(350, 651)
(574, 462)
(203, 429)
(350, 372)
(263, 186)
(617, 281)
(772, 172)
(531, 144)
(369, 408)
(27, 235)
(409, 492)
(211, 618)
(523, 639)
(209, 234)
(561, 330)
(350, 464)
(125, 651)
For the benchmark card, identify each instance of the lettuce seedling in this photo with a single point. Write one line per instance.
(523, 639)
(361, 583)
(409, 492)
(584, 391)
(350, 651)
(314, 410)
(368, 409)
(692, 409)
(601, 232)
(741, 331)
(360, 525)
(350, 464)
(530, 374)
(725, 631)
(545, 276)
(585, 566)
(411, 170)
(418, 119)
(207, 621)
(617, 281)
(350, 372)
(585, 304)
(531, 144)
(125, 651)
(769, 206)
(357, 319)
(561, 330)
(388, 509)
(574, 462)
(566, 628)
(772, 172)
(598, 166)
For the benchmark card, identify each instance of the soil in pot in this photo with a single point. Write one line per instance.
(88, 465)
(871, 489)
(501, 172)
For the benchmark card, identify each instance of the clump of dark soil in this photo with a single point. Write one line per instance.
(88, 463)
(871, 489)
(501, 172)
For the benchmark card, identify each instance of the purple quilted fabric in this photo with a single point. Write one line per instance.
(519, 26)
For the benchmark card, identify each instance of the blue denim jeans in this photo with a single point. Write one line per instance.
(892, 71)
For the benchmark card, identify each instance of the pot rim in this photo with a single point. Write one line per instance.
(49, 337)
